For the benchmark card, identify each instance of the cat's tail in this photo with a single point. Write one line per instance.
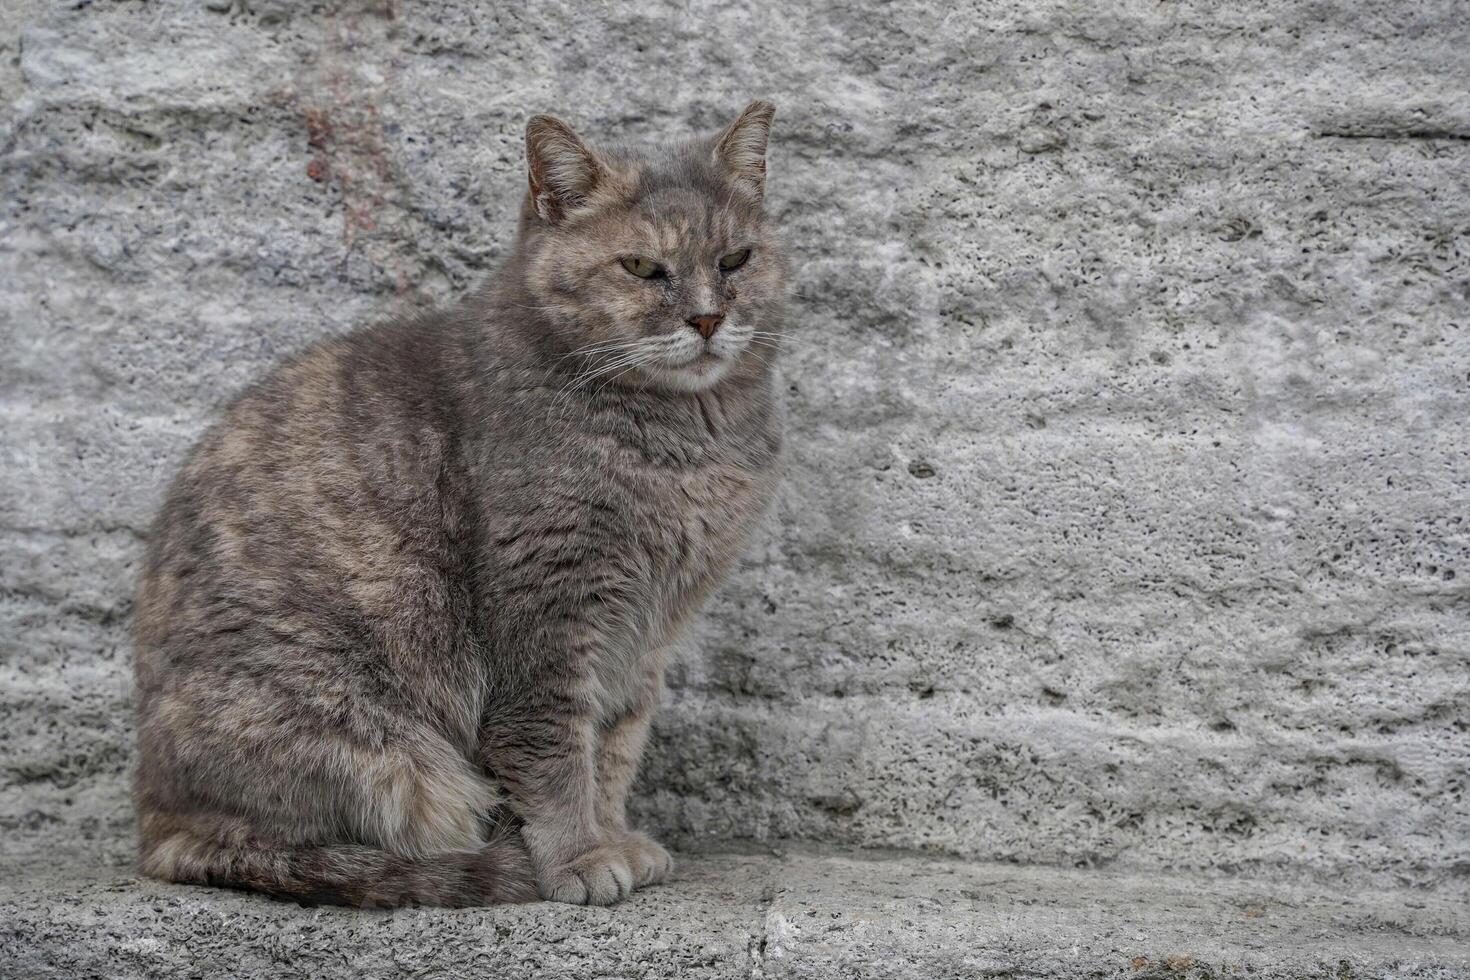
(224, 853)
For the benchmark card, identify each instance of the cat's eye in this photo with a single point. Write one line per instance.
(643, 268)
(734, 260)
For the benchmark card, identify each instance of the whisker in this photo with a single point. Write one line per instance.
(595, 349)
(619, 363)
(783, 338)
(762, 358)
(536, 309)
(651, 358)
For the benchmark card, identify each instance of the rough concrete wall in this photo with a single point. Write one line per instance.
(1127, 510)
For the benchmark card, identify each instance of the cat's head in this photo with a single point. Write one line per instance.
(657, 266)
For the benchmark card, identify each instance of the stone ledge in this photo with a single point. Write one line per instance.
(803, 913)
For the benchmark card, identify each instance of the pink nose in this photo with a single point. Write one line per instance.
(707, 324)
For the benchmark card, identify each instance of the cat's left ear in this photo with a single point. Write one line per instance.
(741, 148)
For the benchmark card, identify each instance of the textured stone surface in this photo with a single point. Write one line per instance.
(1128, 515)
(801, 914)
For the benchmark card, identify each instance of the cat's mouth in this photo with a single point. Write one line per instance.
(693, 363)
(695, 373)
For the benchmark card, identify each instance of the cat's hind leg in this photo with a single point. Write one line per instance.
(257, 790)
(417, 799)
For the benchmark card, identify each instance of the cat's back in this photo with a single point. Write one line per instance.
(335, 458)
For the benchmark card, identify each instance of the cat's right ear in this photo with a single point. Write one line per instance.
(561, 169)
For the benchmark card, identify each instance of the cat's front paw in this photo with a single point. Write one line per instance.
(647, 859)
(600, 876)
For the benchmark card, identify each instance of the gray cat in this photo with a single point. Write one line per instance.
(404, 616)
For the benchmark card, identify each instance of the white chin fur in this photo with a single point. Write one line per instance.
(695, 378)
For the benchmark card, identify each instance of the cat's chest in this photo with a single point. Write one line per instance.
(708, 512)
(688, 528)
(697, 519)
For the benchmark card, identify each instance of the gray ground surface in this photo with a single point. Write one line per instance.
(1128, 516)
(798, 914)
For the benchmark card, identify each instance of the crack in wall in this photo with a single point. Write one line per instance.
(1405, 134)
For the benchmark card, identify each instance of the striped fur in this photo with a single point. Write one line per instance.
(404, 616)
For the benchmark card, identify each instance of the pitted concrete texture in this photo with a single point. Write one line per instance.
(726, 915)
(1127, 522)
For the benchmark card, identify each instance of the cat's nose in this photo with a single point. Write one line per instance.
(706, 323)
